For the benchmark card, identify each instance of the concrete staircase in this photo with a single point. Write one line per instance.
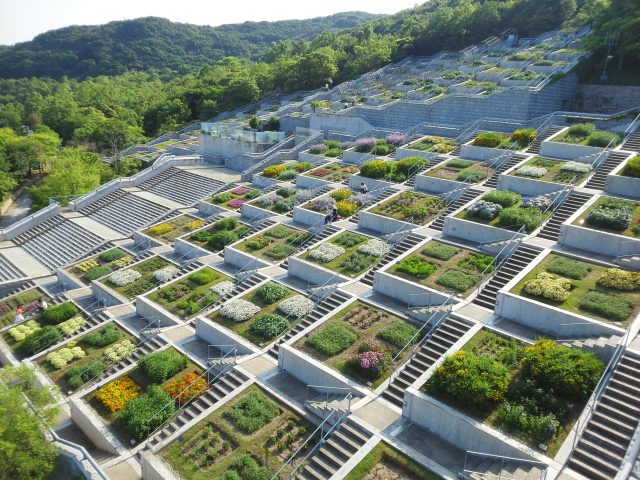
(8, 271)
(330, 303)
(338, 448)
(492, 181)
(243, 286)
(182, 186)
(632, 143)
(448, 333)
(327, 231)
(599, 453)
(38, 229)
(409, 241)
(551, 229)
(548, 133)
(467, 196)
(599, 179)
(491, 467)
(518, 261)
(629, 261)
(411, 181)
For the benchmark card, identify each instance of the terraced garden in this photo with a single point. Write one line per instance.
(412, 207)
(176, 227)
(101, 265)
(221, 233)
(139, 278)
(274, 244)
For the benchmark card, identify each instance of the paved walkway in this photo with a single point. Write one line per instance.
(431, 446)
(377, 414)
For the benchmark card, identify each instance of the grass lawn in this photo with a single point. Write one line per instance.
(275, 244)
(453, 269)
(554, 171)
(434, 144)
(389, 463)
(413, 207)
(186, 297)
(360, 326)
(26, 300)
(202, 237)
(333, 172)
(234, 198)
(581, 287)
(212, 447)
(147, 268)
(462, 171)
(100, 265)
(168, 231)
(338, 264)
(634, 226)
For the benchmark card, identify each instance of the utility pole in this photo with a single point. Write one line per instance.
(611, 39)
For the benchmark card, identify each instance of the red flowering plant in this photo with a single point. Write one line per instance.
(321, 172)
(189, 387)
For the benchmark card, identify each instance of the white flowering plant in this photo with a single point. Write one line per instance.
(533, 172)
(540, 202)
(166, 273)
(375, 247)
(576, 167)
(23, 330)
(326, 252)
(72, 325)
(63, 356)
(124, 277)
(120, 351)
(297, 306)
(223, 288)
(239, 310)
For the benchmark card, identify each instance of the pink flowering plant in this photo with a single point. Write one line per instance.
(370, 360)
(236, 203)
(240, 190)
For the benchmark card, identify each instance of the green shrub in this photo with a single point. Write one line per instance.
(581, 129)
(81, 373)
(381, 148)
(477, 261)
(252, 412)
(398, 333)
(252, 194)
(516, 418)
(349, 239)
(59, 313)
(146, 412)
(279, 252)
(40, 339)
(502, 197)
(602, 139)
(303, 166)
(269, 326)
(286, 191)
(457, 280)
(202, 236)
(284, 206)
(246, 468)
(273, 171)
(607, 306)
(161, 366)
(103, 337)
(222, 198)
(355, 262)
(332, 339)
(300, 238)
(632, 168)
(458, 164)
(341, 194)
(279, 232)
(219, 239)
(258, 242)
(111, 255)
(569, 268)
(333, 152)
(619, 279)
(548, 286)
(287, 175)
(488, 139)
(203, 277)
(226, 224)
(611, 213)
(416, 266)
(471, 177)
(96, 272)
(516, 217)
(524, 136)
(410, 165)
(271, 292)
(376, 169)
(440, 251)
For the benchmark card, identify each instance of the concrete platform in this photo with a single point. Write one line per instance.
(26, 262)
(165, 202)
(97, 228)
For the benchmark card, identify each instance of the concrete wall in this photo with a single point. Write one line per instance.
(475, 232)
(381, 224)
(155, 469)
(351, 124)
(404, 152)
(312, 273)
(567, 151)
(605, 98)
(376, 187)
(94, 428)
(152, 311)
(596, 241)
(208, 209)
(106, 295)
(473, 152)
(311, 158)
(29, 222)
(527, 187)
(357, 158)
(620, 185)
(435, 185)
(253, 213)
(242, 260)
(412, 294)
(312, 219)
(304, 181)
(214, 334)
(260, 181)
(227, 147)
(187, 250)
(145, 241)
(69, 280)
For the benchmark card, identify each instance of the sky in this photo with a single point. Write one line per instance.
(24, 19)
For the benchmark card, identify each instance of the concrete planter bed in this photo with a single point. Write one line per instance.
(27, 300)
(189, 295)
(169, 230)
(476, 67)
(376, 187)
(495, 74)
(207, 209)
(274, 244)
(346, 340)
(506, 358)
(144, 283)
(281, 431)
(460, 171)
(234, 198)
(187, 250)
(475, 232)
(144, 242)
(357, 158)
(411, 207)
(316, 159)
(99, 265)
(564, 55)
(545, 69)
(221, 233)
(252, 213)
(427, 147)
(333, 172)
(582, 289)
(261, 182)
(346, 206)
(307, 217)
(572, 146)
(279, 202)
(557, 171)
(472, 151)
(215, 334)
(620, 184)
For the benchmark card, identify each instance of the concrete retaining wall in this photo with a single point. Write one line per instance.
(357, 158)
(145, 241)
(352, 125)
(152, 311)
(108, 296)
(187, 250)
(242, 260)
(214, 334)
(375, 186)
(381, 224)
(208, 209)
(410, 293)
(311, 158)
(620, 185)
(473, 152)
(94, 428)
(404, 152)
(312, 219)
(424, 183)
(596, 241)
(304, 181)
(29, 222)
(69, 280)
(155, 469)
(475, 232)
(253, 213)
(567, 151)
(260, 181)
(312, 273)
(527, 187)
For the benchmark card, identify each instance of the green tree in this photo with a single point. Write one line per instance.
(317, 68)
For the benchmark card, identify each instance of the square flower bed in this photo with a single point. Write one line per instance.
(395, 171)
(274, 244)
(413, 207)
(587, 134)
(189, 295)
(176, 227)
(360, 342)
(27, 300)
(265, 313)
(348, 253)
(221, 233)
(462, 171)
(444, 267)
(505, 209)
(379, 146)
(434, 144)
(548, 170)
(518, 140)
(385, 462)
(282, 200)
(532, 392)
(612, 215)
(602, 293)
(632, 168)
(286, 171)
(333, 172)
(101, 265)
(136, 279)
(328, 148)
(345, 200)
(234, 198)
(249, 437)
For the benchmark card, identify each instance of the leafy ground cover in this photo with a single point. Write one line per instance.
(176, 227)
(462, 171)
(602, 293)
(328, 148)
(274, 244)
(219, 446)
(612, 215)
(333, 172)
(586, 134)
(552, 170)
(221, 233)
(444, 267)
(411, 206)
(146, 282)
(394, 171)
(343, 199)
(101, 265)
(360, 342)
(281, 201)
(434, 144)
(518, 140)
(27, 300)
(234, 199)
(286, 171)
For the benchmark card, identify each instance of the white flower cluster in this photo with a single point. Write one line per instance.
(72, 325)
(239, 310)
(533, 172)
(124, 277)
(298, 306)
(305, 195)
(268, 200)
(223, 288)
(119, 351)
(375, 247)
(166, 273)
(63, 356)
(326, 252)
(540, 202)
(576, 167)
(23, 330)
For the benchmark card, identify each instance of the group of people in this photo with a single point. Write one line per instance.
(39, 306)
(332, 212)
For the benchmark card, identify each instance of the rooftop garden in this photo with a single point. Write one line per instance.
(140, 277)
(334, 172)
(221, 233)
(282, 200)
(485, 88)
(250, 437)
(548, 170)
(360, 342)
(380, 146)
(505, 209)
(176, 227)
(533, 392)
(286, 171)
(191, 294)
(462, 171)
(611, 295)
(632, 168)
(27, 300)
(329, 148)
(274, 244)
(526, 75)
(612, 215)
(235, 198)
(454, 75)
(348, 253)
(346, 201)
(524, 56)
(385, 462)
(434, 144)
(411, 207)
(586, 134)
(395, 171)
(265, 313)
(445, 268)
(433, 89)
(518, 140)
(101, 265)
(130, 403)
